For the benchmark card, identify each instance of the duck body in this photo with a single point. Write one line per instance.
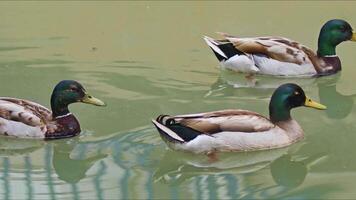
(272, 56)
(237, 130)
(281, 56)
(226, 130)
(26, 119)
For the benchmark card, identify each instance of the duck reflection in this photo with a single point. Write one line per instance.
(59, 152)
(289, 172)
(176, 167)
(79, 156)
(10, 146)
(286, 170)
(237, 84)
(68, 169)
(44, 167)
(125, 163)
(339, 105)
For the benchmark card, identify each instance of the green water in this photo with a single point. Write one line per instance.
(148, 58)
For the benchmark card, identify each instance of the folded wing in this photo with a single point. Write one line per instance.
(278, 48)
(27, 112)
(226, 120)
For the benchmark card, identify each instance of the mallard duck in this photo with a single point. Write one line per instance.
(235, 129)
(281, 56)
(27, 119)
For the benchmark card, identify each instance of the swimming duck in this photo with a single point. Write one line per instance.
(27, 119)
(281, 56)
(235, 129)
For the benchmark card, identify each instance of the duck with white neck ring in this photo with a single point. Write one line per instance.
(238, 130)
(281, 56)
(27, 119)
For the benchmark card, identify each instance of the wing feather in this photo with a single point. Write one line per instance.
(24, 111)
(226, 120)
(279, 48)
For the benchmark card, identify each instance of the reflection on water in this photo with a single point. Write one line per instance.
(187, 165)
(131, 165)
(75, 169)
(232, 84)
(282, 167)
(137, 165)
(339, 105)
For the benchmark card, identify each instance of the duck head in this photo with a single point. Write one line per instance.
(287, 97)
(333, 33)
(67, 92)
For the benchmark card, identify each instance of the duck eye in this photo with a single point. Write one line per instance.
(343, 28)
(73, 89)
(296, 93)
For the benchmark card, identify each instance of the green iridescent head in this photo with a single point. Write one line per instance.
(333, 33)
(67, 92)
(287, 97)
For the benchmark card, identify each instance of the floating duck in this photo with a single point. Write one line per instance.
(27, 119)
(238, 130)
(281, 56)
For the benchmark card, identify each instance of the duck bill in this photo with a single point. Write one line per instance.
(92, 100)
(353, 38)
(313, 104)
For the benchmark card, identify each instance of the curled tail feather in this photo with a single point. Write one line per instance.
(165, 120)
(223, 49)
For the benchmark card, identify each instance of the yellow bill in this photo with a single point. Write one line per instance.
(353, 38)
(92, 100)
(313, 104)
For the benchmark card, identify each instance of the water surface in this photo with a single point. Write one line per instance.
(148, 58)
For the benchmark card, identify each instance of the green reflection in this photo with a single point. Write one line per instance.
(339, 105)
(97, 181)
(49, 173)
(5, 178)
(290, 173)
(69, 169)
(28, 167)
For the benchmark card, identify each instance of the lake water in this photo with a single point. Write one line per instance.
(148, 58)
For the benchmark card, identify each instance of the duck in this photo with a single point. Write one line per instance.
(26, 119)
(237, 129)
(279, 56)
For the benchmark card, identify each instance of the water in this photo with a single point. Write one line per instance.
(148, 58)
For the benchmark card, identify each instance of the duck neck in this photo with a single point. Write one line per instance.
(326, 47)
(325, 50)
(278, 111)
(58, 106)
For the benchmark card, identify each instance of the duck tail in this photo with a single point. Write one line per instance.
(161, 123)
(165, 119)
(222, 50)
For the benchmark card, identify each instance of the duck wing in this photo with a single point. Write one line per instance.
(278, 48)
(24, 111)
(226, 120)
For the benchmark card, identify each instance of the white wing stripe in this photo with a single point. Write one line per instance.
(168, 131)
(211, 43)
